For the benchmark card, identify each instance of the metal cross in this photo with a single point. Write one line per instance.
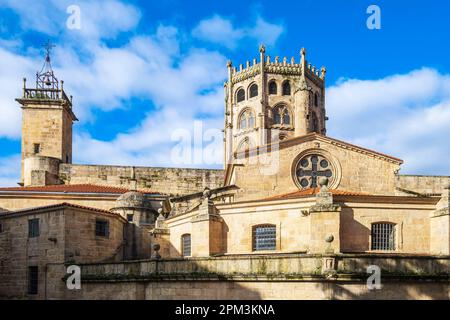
(314, 172)
(48, 47)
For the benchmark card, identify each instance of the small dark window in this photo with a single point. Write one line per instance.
(286, 88)
(316, 100)
(315, 123)
(264, 237)
(33, 228)
(101, 228)
(67, 159)
(186, 245)
(383, 236)
(253, 90)
(130, 217)
(37, 148)
(240, 95)
(272, 87)
(1, 228)
(33, 280)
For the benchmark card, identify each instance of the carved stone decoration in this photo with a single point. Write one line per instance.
(311, 165)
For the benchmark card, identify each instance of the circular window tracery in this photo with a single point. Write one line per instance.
(310, 168)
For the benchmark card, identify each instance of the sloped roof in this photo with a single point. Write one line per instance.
(75, 188)
(314, 191)
(59, 206)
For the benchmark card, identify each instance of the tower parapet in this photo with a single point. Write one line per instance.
(272, 99)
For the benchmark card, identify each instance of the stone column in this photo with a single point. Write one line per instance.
(207, 229)
(440, 225)
(325, 222)
(161, 238)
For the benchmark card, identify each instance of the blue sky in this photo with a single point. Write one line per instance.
(146, 72)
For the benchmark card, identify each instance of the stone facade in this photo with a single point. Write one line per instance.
(170, 181)
(66, 235)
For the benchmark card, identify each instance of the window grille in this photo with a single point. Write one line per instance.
(272, 87)
(383, 236)
(186, 245)
(253, 90)
(240, 95)
(264, 237)
(101, 228)
(33, 228)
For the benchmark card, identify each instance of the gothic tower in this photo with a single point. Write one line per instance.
(47, 120)
(268, 101)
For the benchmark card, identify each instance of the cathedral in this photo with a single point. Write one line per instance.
(294, 214)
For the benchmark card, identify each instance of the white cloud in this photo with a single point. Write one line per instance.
(403, 115)
(221, 31)
(99, 19)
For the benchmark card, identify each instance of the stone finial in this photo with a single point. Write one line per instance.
(207, 193)
(277, 59)
(248, 64)
(254, 61)
(323, 72)
(268, 59)
(156, 248)
(329, 238)
(284, 61)
(292, 60)
(262, 48)
(303, 52)
(241, 67)
(323, 181)
(229, 64)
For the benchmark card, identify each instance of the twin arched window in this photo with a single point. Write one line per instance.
(286, 88)
(252, 92)
(247, 119)
(264, 237)
(281, 115)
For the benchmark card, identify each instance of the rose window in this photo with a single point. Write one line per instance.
(310, 168)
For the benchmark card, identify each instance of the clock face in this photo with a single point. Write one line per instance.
(310, 168)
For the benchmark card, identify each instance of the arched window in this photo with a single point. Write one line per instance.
(253, 91)
(186, 245)
(383, 236)
(243, 145)
(264, 237)
(316, 99)
(281, 115)
(247, 119)
(240, 95)
(272, 87)
(286, 88)
(314, 123)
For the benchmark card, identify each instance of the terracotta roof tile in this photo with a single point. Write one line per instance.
(59, 205)
(75, 188)
(314, 191)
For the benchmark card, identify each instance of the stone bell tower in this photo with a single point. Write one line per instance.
(47, 120)
(271, 100)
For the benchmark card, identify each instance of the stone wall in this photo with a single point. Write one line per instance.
(421, 184)
(171, 181)
(65, 235)
(293, 276)
(272, 173)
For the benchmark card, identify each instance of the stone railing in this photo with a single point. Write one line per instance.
(296, 267)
